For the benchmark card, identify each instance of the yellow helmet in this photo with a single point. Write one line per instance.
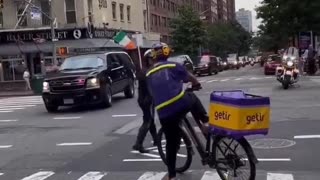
(160, 51)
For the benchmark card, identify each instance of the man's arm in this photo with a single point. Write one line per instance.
(192, 79)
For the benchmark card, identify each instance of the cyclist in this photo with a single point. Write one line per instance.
(147, 107)
(165, 81)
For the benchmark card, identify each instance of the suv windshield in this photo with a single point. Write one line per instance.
(177, 59)
(274, 59)
(81, 62)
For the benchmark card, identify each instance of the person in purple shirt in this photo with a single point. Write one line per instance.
(165, 83)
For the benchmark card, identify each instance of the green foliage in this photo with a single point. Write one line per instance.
(224, 39)
(282, 19)
(188, 31)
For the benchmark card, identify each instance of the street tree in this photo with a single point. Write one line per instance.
(188, 31)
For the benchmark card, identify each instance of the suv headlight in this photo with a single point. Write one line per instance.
(46, 87)
(290, 63)
(93, 83)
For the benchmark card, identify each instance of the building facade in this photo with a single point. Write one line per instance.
(161, 12)
(231, 10)
(244, 17)
(80, 25)
(211, 10)
(222, 11)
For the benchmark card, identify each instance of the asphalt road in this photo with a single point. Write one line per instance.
(94, 143)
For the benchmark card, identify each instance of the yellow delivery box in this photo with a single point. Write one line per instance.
(236, 114)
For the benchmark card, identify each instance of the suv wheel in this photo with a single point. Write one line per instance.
(129, 91)
(107, 97)
(210, 71)
(51, 108)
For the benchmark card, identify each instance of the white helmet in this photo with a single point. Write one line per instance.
(148, 53)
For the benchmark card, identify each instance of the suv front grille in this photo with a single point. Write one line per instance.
(64, 85)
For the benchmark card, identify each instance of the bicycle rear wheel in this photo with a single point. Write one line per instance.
(231, 163)
(185, 152)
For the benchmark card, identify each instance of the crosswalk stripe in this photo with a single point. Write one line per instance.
(276, 176)
(209, 175)
(214, 80)
(14, 106)
(238, 79)
(39, 175)
(93, 175)
(152, 176)
(9, 109)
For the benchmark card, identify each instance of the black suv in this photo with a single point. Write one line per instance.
(89, 79)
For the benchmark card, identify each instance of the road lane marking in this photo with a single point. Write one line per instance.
(214, 80)
(273, 159)
(39, 175)
(276, 176)
(17, 106)
(179, 155)
(9, 109)
(152, 176)
(224, 80)
(254, 78)
(238, 79)
(64, 118)
(5, 111)
(125, 115)
(5, 146)
(146, 154)
(141, 160)
(201, 81)
(75, 144)
(9, 120)
(209, 175)
(307, 137)
(268, 77)
(93, 175)
(128, 127)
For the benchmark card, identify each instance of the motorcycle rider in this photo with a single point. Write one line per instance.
(165, 81)
(146, 104)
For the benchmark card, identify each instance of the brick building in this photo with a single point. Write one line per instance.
(231, 10)
(160, 12)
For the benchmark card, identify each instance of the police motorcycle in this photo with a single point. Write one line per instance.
(288, 74)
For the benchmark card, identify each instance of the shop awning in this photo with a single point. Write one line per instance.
(28, 47)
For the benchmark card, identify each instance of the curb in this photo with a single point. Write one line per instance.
(16, 95)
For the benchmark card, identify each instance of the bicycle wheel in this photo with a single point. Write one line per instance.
(185, 152)
(230, 163)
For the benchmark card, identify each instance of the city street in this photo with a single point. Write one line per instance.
(94, 143)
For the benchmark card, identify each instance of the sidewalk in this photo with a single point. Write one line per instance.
(13, 93)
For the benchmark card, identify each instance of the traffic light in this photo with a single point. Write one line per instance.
(1, 4)
(62, 51)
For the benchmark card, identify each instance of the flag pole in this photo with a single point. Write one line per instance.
(139, 43)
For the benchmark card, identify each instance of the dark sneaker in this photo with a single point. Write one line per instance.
(140, 149)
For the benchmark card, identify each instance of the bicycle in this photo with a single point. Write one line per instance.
(209, 156)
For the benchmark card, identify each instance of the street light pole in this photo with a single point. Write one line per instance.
(53, 34)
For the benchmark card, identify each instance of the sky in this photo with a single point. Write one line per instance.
(250, 5)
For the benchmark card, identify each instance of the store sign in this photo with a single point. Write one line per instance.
(61, 34)
(103, 4)
(109, 33)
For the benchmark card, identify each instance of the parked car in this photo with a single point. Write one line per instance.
(222, 64)
(208, 64)
(272, 63)
(233, 62)
(89, 79)
(184, 60)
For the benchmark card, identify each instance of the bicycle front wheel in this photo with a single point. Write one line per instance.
(233, 159)
(184, 156)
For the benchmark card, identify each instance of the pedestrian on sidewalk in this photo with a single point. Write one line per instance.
(26, 77)
(146, 104)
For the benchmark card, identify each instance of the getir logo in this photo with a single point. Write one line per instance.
(258, 117)
(222, 115)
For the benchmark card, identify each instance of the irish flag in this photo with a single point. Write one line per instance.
(122, 39)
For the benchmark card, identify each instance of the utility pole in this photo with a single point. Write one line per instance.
(53, 34)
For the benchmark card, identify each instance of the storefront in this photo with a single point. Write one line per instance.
(32, 49)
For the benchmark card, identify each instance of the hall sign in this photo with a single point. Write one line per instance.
(60, 34)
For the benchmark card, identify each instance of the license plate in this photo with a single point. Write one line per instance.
(288, 73)
(68, 101)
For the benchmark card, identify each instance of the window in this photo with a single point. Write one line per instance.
(45, 7)
(90, 11)
(121, 12)
(71, 11)
(23, 17)
(129, 13)
(164, 22)
(114, 10)
(144, 19)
